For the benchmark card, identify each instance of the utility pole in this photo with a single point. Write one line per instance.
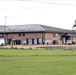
(5, 29)
(5, 25)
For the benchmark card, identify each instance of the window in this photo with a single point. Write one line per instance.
(19, 34)
(1, 35)
(23, 34)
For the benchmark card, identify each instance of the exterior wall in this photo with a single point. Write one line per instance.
(44, 37)
(35, 36)
(27, 35)
(49, 37)
(73, 39)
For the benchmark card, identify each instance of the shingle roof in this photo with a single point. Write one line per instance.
(56, 30)
(33, 28)
(24, 28)
(2, 29)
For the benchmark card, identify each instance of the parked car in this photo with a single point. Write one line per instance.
(2, 42)
(69, 42)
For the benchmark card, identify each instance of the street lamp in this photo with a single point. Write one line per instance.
(5, 29)
(5, 25)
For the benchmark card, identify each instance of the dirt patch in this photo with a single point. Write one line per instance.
(70, 47)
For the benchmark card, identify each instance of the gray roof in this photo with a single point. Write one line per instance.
(21, 28)
(33, 28)
(73, 35)
(56, 30)
(1, 29)
(24, 28)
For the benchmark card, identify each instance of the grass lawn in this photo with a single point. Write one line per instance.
(37, 62)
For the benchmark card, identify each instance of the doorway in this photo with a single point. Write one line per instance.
(27, 40)
(32, 40)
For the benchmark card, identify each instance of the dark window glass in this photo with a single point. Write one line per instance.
(19, 34)
(27, 41)
(23, 34)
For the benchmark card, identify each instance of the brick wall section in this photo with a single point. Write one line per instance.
(73, 38)
(27, 35)
(50, 36)
(47, 37)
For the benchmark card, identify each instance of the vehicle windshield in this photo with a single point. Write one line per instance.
(68, 40)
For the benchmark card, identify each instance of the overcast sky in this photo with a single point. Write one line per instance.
(60, 14)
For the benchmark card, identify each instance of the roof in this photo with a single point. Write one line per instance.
(73, 35)
(21, 28)
(33, 28)
(56, 30)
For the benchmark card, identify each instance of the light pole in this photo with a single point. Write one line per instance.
(5, 29)
(5, 25)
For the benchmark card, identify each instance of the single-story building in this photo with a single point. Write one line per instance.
(35, 34)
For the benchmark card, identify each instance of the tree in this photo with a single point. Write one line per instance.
(74, 26)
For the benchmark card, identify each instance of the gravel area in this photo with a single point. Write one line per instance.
(70, 47)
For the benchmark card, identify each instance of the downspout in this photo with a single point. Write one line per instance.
(43, 37)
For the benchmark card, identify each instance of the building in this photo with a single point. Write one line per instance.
(35, 34)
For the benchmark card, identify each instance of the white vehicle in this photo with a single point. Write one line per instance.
(69, 42)
(2, 42)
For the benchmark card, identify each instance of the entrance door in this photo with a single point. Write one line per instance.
(32, 40)
(27, 41)
(37, 40)
(55, 42)
(9, 41)
(18, 42)
(64, 38)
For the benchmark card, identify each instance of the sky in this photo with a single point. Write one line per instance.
(56, 13)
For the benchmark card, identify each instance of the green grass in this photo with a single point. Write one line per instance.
(37, 62)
